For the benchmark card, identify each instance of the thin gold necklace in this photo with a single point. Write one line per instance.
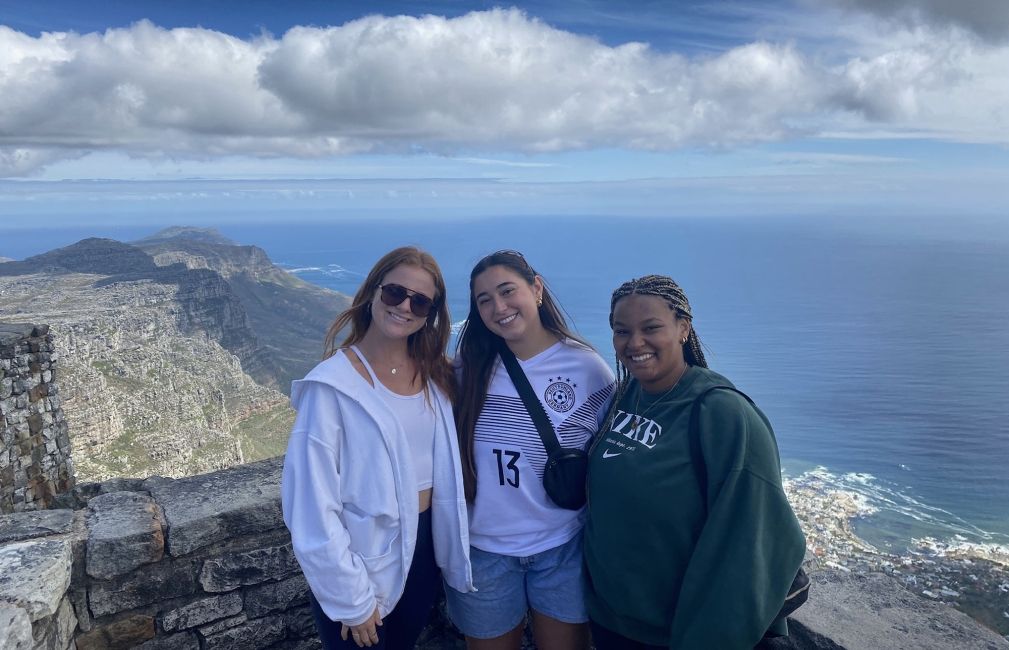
(638, 419)
(392, 369)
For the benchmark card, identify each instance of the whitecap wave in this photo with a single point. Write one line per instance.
(960, 548)
(332, 270)
(870, 495)
(859, 478)
(336, 268)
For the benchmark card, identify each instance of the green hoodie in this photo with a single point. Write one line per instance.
(659, 571)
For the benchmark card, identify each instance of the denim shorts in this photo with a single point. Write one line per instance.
(552, 583)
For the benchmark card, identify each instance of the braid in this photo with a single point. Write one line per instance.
(623, 381)
(663, 287)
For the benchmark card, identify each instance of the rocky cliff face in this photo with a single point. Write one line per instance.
(207, 301)
(223, 256)
(209, 305)
(162, 369)
(288, 315)
(145, 389)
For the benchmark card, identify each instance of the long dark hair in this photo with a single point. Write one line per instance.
(426, 346)
(477, 353)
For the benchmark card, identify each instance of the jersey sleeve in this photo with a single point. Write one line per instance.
(312, 505)
(750, 545)
(604, 384)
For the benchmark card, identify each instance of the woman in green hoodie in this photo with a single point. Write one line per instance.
(667, 567)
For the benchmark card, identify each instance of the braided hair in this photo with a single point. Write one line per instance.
(661, 286)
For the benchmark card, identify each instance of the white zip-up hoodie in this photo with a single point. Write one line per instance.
(349, 494)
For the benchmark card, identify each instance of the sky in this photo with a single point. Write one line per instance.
(127, 110)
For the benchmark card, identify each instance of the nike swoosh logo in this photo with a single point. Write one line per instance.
(607, 454)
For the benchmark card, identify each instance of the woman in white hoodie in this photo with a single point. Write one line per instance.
(372, 489)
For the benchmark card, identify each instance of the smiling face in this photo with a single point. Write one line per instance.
(647, 339)
(507, 304)
(398, 321)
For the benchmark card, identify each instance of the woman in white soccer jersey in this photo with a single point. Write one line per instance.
(525, 550)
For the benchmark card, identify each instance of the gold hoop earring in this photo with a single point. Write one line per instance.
(683, 341)
(539, 302)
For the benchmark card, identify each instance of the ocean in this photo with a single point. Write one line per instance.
(878, 349)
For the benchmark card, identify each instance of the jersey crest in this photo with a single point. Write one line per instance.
(559, 395)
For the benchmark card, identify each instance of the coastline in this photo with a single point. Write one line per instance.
(971, 577)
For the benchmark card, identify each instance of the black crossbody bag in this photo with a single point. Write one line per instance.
(798, 593)
(564, 473)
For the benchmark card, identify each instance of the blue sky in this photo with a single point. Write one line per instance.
(186, 110)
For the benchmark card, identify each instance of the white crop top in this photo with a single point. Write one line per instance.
(417, 418)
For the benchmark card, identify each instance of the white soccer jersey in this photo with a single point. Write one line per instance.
(512, 514)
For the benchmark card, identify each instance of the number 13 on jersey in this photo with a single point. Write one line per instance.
(507, 472)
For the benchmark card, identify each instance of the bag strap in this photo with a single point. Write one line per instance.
(532, 403)
(694, 435)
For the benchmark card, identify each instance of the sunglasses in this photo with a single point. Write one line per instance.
(394, 294)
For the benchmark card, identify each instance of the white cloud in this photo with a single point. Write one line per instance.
(938, 83)
(987, 18)
(500, 80)
(485, 82)
(21, 161)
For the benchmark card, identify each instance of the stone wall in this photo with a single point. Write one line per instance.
(206, 562)
(201, 562)
(35, 465)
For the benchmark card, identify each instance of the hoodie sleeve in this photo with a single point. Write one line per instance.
(750, 546)
(312, 505)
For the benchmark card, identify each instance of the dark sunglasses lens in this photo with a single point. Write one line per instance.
(393, 294)
(420, 304)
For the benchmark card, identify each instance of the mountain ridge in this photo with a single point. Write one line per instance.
(176, 351)
(277, 302)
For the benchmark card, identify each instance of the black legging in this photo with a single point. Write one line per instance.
(400, 629)
(606, 639)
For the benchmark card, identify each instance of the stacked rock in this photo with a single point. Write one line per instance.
(35, 464)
